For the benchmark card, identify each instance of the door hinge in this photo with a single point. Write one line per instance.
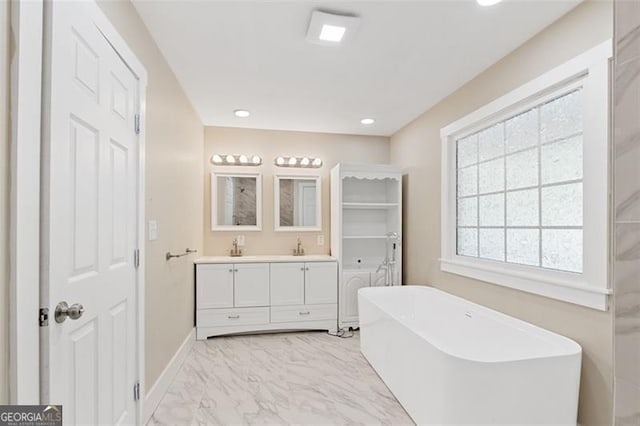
(44, 317)
(136, 258)
(137, 124)
(136, 391)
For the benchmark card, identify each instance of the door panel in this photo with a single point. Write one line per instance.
(287, 284)
(353, 281)
(214, 286)
(251, 284)
(320, 283)
(90, 210)
(378, 279)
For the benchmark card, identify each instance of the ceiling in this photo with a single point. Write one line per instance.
(405, 57)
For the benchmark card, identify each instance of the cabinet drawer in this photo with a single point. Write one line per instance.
(230, 317)
(303, 313)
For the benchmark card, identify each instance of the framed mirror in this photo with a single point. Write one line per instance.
(236, 201)
(297, 203)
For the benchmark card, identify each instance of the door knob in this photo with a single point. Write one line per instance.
(63, 310)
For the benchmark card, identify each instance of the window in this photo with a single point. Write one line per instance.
(525, 178)
(519, 187)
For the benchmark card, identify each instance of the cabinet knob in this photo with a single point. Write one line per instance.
(304, 313)
(302, 269)
(306, 269)
(235, 270)
(230, 270)
(234, 317)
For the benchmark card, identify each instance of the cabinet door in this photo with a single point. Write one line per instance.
(378, 279)
(214, 286)
(321, 283)
(352, 282)
(251, 286)
(287, 284)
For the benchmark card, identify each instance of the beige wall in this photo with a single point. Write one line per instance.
(4, 204)
(416, 147)
(268, 144)
(174, 135)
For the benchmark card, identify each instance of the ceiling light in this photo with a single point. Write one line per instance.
(330, 29)
(488, 2)
(367, 121)
(332, 33)
(242, 113)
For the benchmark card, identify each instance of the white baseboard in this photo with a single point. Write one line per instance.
(160, 387)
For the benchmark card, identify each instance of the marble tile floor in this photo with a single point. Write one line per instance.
(303, 378)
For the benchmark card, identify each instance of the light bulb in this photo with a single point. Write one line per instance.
(230, 159)
(216, 159)
(279, 161)
(293, 161)
(317, 162)
(243, 159)
(256, 160)
(304, 162)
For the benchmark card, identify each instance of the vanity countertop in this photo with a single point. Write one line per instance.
(265, 259)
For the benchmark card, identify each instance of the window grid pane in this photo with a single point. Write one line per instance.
(519, 191)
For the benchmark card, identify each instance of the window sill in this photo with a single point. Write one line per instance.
(567, 291)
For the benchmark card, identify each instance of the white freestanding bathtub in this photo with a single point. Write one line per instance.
(452, 362)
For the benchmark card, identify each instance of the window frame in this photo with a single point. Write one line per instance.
(591, 71)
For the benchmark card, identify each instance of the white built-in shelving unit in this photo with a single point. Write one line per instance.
(366, 208)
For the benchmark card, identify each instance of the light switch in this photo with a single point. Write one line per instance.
(240, 240)
(320, 240)
(153, 230)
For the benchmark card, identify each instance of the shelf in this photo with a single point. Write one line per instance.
(347, 205)
(364, 237)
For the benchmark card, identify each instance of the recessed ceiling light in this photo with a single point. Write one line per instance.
(488, 2)
(367, 121)
(242, 113)
(332, 33)
(330, 29)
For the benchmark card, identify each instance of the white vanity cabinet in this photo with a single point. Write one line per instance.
(261, 293)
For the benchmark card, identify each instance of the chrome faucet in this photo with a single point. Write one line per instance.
(389, 262)
(298, 251)
(235, 251)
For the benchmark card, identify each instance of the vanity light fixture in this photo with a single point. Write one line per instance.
(242, 113)
(235, 160)
(302, 162)
(367, 121)
(330, 29)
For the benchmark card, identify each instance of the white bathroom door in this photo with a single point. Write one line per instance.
(90, 172)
